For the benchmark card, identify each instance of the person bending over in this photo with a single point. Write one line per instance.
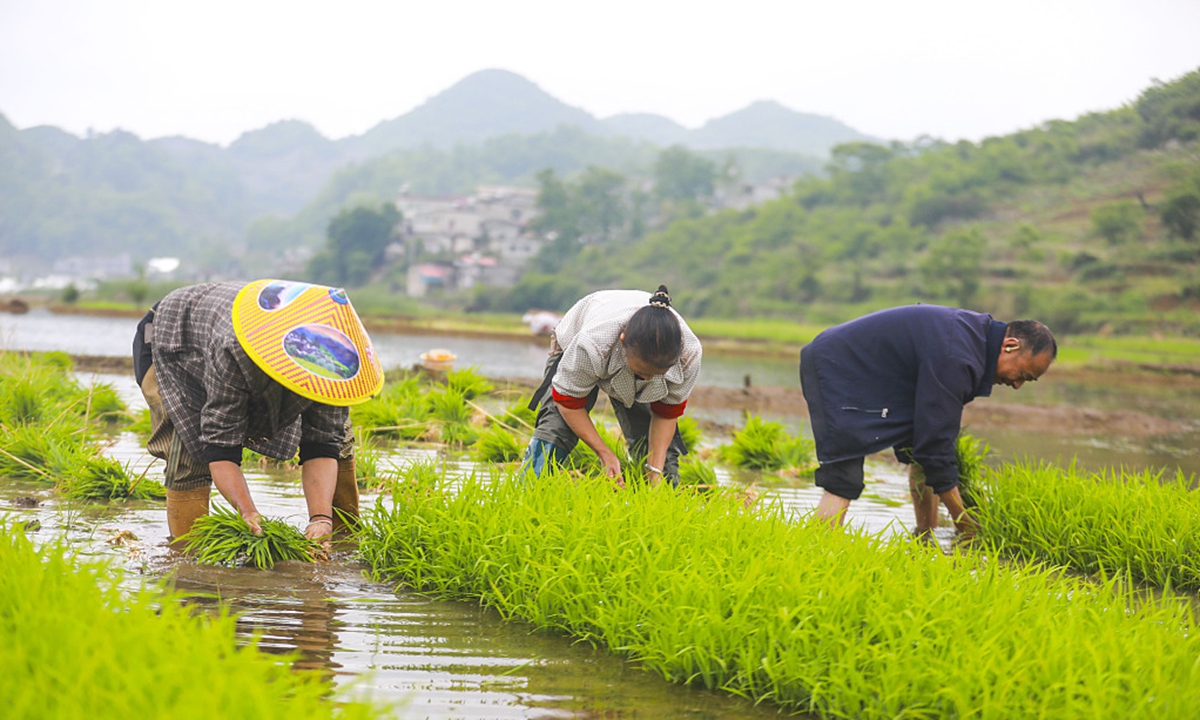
(640, 352)
(271, 365)
(899, 378)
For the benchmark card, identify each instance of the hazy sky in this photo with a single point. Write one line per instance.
(949, 68)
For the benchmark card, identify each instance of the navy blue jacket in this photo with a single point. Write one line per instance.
(900, 378)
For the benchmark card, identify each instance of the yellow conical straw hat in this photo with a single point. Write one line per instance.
(309, 339)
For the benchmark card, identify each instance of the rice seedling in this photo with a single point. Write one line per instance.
(79, 645)
(497, 445)
(250, 458)
(689, 432)
(468, 382)
(224, 538)
(520, 414)
(141, 425)
(585, 459)
(399, 411)
(451, 414)
(101, 478)
(1138, 525)
(694, 472)
(707, 591)
(972, 456)
(766, 445)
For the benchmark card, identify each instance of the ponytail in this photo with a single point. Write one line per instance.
(653, 333)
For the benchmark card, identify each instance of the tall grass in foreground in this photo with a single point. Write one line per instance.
(78, 647)
(1136, 524)
(706, 591)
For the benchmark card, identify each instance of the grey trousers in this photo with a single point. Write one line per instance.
(635, 426)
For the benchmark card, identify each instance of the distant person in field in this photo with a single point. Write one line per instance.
(899, 379)
(227, 366)
(639, 351)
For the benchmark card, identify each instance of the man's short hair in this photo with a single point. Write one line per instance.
(1036, 336)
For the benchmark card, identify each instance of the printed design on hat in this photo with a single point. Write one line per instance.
(278, 294)
(322, 350)
(310, 342)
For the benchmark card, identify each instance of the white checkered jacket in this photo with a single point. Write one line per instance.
(588, 337)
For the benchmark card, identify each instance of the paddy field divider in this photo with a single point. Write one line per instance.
(705, 590)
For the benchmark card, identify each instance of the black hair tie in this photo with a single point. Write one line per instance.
(661, 298)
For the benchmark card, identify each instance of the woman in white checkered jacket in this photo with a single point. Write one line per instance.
(637, 349)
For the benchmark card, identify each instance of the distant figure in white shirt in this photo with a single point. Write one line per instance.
(541, 322)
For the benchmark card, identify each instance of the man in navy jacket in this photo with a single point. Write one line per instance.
(899, 378)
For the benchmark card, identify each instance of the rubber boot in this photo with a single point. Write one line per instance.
(345, 499)
(184, 507)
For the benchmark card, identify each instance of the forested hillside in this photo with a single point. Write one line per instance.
(1089, 225)
(225, 210)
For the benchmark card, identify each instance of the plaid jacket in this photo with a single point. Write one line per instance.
(589, 337)
(218, 399)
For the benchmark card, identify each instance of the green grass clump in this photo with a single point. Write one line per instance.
(469, 383)
(694, 472)
(399, 411)
(1140, 525)
(78, 646)
(972, 463)
(706, 591)
(766, 445)
(689, 432)
(224, 538)
(101, 478)
(497, 445)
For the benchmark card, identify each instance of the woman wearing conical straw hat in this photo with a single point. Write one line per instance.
(272, 366)
(635, 347)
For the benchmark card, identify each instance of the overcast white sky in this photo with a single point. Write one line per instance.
(950, 68)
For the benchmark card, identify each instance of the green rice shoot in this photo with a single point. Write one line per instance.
(223, 538)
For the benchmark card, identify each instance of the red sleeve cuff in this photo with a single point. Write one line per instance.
(670, 412)
(571, 403)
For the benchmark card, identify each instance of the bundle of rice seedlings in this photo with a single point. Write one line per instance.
(468, 382)
(583, 458)
(101, 402)
(765, 445)
(101, 478)
(32, 452)
(689, 432)
(497, 445)
(22, 401)
(520, 414)
(972, 455)
(451, 413)
(224, 538)
(399, 411)
(695, 473)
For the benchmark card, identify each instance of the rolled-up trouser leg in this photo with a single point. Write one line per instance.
(635, 425)
(188, 481)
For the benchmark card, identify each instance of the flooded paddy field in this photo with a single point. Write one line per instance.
(442, 659)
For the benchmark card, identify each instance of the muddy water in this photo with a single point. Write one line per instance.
(432, 659)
